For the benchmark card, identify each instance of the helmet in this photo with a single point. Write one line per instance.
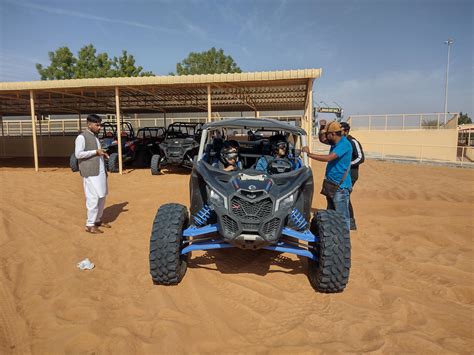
(280, 144)
(228, 153)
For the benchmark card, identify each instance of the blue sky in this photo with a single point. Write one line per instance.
(377, 56)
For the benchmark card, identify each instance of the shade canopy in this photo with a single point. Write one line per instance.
(258, 91)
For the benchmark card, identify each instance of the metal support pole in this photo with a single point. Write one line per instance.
(164, 119)
(33, 127)
(79, 126)
(119, 127)
(209, 105)
(386, 122)
(3, 137)
(403, 122)
(310, 110)
(448, 42)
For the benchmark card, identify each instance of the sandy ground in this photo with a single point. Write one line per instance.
(411, 285)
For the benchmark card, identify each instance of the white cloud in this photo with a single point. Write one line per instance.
(86, 16)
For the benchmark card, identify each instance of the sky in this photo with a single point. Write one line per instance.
(377, 56)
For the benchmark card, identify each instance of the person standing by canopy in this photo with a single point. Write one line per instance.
(90, 158)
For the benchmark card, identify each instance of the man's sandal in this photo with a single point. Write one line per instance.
(93, 230)
(102, 224)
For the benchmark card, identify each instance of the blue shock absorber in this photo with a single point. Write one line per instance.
(298, 220)
(202, 216)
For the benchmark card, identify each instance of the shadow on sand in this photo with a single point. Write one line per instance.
(238, 261)
(111, 213)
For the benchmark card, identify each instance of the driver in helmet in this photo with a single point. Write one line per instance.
(280, 151)
(229, 157)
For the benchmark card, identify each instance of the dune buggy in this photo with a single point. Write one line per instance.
(251, 209)
(179, 147)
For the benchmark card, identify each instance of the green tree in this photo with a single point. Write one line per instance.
(464, 118)
(208, 62)
(88, 64)
(125, 66)
(63, 64)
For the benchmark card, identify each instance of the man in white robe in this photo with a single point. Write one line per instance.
(90, 157)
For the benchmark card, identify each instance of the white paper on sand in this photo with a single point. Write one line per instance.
(85, 264)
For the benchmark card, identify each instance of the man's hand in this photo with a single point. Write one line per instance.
(229, 168)
(322, 123)
(305, 149)
(102, 152)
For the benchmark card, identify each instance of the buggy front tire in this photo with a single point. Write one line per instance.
(155, 164)
(167, 265)
(73, 163)
(330, 272)
(113, 163)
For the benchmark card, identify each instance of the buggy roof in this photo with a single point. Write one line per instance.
(151, 128)
(257, 123)
(191, 124)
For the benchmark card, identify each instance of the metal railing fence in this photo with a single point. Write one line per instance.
(406, 121)
(67, 127)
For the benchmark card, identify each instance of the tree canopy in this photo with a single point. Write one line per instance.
(464, 118)
(88, 64)
(212, 61)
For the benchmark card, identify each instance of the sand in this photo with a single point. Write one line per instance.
(410, 290)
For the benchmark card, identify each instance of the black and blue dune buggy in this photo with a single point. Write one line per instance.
(251, 209)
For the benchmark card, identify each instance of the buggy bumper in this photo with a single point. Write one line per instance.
(216, 242)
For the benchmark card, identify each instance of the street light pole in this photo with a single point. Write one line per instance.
(448, 42)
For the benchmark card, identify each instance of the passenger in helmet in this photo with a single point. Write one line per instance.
(280, 155)
(229, 157)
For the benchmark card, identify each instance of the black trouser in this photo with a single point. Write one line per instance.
(354, 177)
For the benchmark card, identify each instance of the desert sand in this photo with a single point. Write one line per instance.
(410, 290)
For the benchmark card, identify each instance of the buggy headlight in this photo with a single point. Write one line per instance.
(285, 202)
(216, 198)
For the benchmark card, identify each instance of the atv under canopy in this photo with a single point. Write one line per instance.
(255, 123)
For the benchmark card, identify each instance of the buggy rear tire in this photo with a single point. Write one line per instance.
(330, 272)
(167, 265)
(73, 163)
(155, 164)
(113, 163)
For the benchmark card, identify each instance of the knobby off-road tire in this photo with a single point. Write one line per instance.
(113, 163)
(330, 273)
(73, 163)
(155, 164)
(167, 265)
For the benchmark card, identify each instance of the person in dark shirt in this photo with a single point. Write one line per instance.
(357, 159)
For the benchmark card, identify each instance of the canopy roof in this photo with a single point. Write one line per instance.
(258, 91)
(261, 123)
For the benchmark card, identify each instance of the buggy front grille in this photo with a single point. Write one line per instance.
(230, 226)
(271, 227)
(251, 210)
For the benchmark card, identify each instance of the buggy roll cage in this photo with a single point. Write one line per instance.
(262, 125)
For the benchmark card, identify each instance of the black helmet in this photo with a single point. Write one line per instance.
(229, 152)
(280, 144)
